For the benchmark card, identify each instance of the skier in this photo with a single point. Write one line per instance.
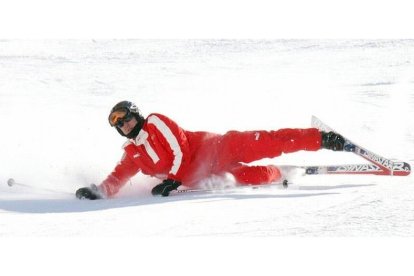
(158, 147)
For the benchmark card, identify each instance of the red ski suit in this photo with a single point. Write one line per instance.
(164, 150)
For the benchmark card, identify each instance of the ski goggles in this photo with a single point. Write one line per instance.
(119, 117)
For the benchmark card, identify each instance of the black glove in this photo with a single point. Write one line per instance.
(332, 141)
(165, 187)
(91, 193)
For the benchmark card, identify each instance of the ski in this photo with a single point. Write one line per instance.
(339, 169)
(345, 169)
(379, 165)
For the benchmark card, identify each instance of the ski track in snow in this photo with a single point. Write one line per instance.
(55, 95)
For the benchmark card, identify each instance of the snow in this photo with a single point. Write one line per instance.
(54, 101)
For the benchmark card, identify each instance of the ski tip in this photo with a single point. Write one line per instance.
(401, 169)
(313, 120)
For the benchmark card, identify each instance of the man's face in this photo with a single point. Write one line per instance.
(128, 126)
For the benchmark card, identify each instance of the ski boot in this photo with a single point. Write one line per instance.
(332, 141)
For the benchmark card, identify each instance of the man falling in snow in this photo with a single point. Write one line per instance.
(158, 147)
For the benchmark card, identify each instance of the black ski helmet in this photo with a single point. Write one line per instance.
(130, 108)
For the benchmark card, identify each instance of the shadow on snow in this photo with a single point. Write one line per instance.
(74, 205)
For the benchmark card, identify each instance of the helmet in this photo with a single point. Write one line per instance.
(130, 109)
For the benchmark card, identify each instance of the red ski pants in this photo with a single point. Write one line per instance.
(226, 153)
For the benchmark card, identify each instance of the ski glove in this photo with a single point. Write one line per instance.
(332, 141)
(165, 187)
(91, 193)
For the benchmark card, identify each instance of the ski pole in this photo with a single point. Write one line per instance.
(11, 182)
(284, 183)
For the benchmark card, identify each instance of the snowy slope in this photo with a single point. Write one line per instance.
(54, 101)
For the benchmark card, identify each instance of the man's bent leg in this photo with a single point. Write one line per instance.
(255, 175)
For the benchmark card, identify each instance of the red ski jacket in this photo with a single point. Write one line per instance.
(164, 150)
